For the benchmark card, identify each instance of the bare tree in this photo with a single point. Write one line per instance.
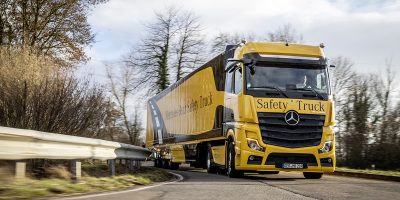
(136, 126)
(367, 128)
(112, 128)
(286, 33)
(55, 28)
(394, 129)
(173, 44)
(220, 41)
(357, 116)
(189, 46)
(383, 91)
(121, 88)
(36, 94)
(341, 78)
(341, 81)
(151, 57)
(384, 146)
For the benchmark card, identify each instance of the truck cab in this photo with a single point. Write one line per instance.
(278, 110)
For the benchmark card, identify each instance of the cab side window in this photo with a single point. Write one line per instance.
(238, 81)
(229, 81)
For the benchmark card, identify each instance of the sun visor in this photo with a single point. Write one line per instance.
(287, 59)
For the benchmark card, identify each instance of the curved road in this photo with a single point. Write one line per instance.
(197, 184)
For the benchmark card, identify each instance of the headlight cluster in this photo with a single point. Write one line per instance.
(253, 144)
(326, 148)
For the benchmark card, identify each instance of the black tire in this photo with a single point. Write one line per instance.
(173, 165)
(312, 175)
(158, 163)
(165, 164)
(211, 168)
(155, 162)
(231, 171)
(197, 165)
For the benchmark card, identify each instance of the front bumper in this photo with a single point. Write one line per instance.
(244, 154)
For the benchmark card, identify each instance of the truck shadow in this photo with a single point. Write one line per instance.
(197, 174)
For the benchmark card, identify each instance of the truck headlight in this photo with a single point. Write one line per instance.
(326, 148)
(253, 144)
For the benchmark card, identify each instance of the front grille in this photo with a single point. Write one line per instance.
(280, 158)
(275, 130)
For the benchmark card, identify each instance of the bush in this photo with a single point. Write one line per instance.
(36, 93)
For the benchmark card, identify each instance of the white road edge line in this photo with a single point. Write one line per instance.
(180, 178)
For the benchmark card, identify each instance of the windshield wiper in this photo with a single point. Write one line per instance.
(272, 87)
(310, 89)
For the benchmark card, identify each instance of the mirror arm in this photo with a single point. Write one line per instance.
(246, 62)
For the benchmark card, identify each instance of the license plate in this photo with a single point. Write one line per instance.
(292, 166)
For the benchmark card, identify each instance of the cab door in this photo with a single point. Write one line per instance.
(228, 111)
(233, 88)
(237, 91)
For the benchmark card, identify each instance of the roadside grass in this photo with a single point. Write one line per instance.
(368, 171)
(95, 179)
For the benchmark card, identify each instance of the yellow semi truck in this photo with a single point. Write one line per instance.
(259, 107)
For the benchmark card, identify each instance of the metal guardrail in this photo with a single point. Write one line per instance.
(19, 144)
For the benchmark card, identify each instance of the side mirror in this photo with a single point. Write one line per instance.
(252, 69)
(231, 64)
(233, 60)
(246, 62)
(250, 63)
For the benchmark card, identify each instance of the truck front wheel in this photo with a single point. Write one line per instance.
(231, 171)
(312, 175)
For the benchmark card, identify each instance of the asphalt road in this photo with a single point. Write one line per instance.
(197, 184)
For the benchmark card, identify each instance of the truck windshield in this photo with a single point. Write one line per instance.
(288, 81)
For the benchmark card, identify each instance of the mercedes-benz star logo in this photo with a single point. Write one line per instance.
(292, 118)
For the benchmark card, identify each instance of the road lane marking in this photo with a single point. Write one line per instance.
(180, 178)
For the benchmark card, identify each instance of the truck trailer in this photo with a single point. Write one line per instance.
(257, 107)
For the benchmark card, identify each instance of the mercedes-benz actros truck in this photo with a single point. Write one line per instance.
(257, 107)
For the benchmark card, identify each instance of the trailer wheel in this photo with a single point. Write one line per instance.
(312, 175)
(231, 171)
(211, 168)
(157, 163)
(173, 165)
(165, 164)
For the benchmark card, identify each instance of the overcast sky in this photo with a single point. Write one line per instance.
(367, 32)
